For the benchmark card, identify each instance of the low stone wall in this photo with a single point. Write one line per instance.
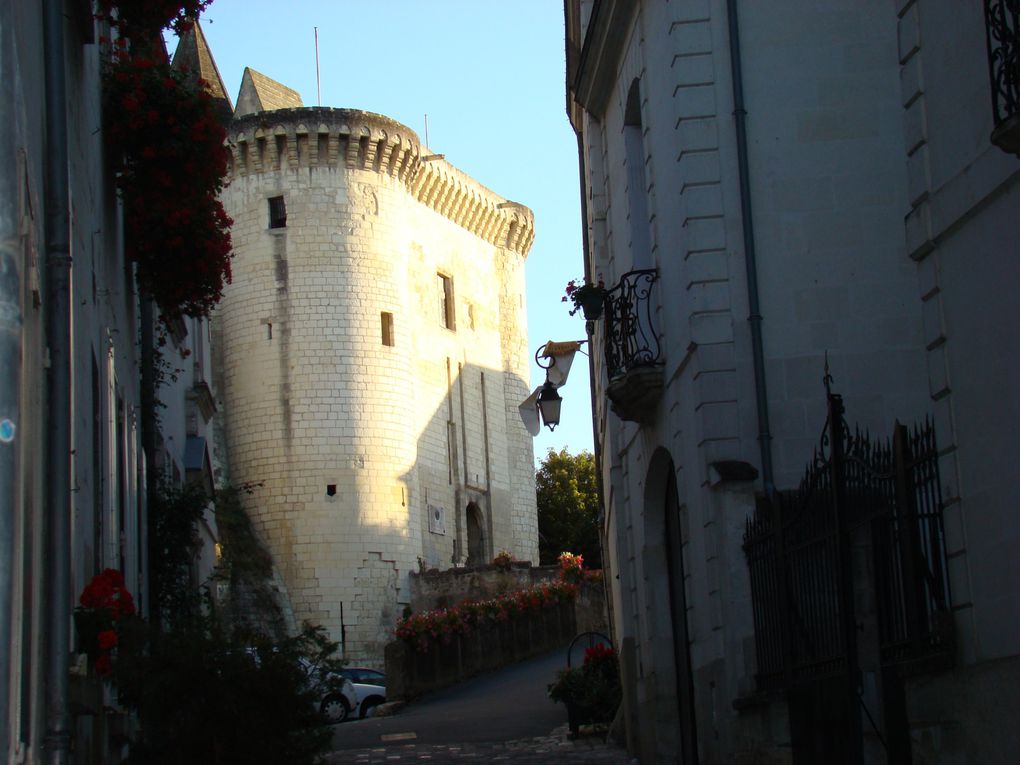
(411, 673)
(441, 589)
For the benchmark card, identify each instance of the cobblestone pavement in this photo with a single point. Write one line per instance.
(554, 749)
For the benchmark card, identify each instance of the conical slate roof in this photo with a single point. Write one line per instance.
(193, 55)
(259, 93)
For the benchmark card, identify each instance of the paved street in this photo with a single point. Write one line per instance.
(503, 716)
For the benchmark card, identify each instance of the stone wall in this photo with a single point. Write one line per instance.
(440, 589)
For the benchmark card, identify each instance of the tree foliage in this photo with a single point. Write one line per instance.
(210, 688)
(174, 515)
(205, 693)
(568, 507)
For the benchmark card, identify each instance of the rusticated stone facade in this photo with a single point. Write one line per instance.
(373, 352)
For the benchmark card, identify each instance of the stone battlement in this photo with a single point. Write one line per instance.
(352, 139)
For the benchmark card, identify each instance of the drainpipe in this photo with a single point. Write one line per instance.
(148, 402)
(607, 591)
(10, 357)
(747, 224)
(58, 392)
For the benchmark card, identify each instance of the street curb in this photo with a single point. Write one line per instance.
(389, 709)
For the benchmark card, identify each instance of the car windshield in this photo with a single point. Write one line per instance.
(367, 676)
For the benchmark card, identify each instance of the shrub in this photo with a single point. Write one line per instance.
(204, 694)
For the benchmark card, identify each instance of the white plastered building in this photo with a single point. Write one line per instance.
(795, 190)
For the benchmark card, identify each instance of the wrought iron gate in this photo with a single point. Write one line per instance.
(801, 547)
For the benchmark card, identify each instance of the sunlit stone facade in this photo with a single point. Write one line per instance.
(373, 351)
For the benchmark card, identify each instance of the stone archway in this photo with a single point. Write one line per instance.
(664, 569)
(475, 535)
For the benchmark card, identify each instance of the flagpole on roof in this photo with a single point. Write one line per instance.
(318, 90)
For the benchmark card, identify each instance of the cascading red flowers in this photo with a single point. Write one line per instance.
(104, 605)
(134, 16)
(444, 623)
(169, 153)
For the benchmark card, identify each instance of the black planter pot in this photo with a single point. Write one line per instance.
(592, 305)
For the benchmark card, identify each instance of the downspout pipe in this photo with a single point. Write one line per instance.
(148, 401)
(57, 318)
(593, 388)
(747, 225)
(10, 357)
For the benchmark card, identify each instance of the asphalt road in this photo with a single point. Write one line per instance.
(500, 706)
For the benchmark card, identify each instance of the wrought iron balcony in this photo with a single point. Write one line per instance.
(632, 351)
(1002, 22)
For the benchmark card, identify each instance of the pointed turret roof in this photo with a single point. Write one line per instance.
(194, 57)
(259, 93)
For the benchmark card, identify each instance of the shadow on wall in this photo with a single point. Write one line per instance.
(469, 495)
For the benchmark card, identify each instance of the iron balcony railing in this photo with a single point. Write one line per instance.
(631, 339)
(1002, 21)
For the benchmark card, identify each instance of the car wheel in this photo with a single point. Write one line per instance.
(368, 707)
(334, 709)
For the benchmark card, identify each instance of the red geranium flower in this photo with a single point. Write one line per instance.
(107, 639)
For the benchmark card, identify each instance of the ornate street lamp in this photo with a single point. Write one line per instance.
(549, 402)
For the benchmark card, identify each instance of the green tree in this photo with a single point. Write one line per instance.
(568, 507)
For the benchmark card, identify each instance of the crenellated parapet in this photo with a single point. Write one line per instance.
(351, 139)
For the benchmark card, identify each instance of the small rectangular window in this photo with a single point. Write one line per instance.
(447, 312)
(277, 212)
(387, 329)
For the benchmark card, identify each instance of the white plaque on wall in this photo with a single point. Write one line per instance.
(437, 519)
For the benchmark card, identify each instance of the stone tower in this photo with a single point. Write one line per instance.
(372, 351)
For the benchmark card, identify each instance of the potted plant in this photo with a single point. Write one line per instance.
(106, 608)
(504, 560)
(586, 297)
(592, 691)
(571, 567)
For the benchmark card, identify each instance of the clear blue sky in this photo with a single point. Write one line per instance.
(489, 75)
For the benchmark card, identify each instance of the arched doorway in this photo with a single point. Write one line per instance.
(475, 535)
(664, 557)
(678, 617)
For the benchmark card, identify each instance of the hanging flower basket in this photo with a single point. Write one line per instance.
(105, 607)
(586, 297)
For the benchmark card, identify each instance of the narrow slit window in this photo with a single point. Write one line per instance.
(387, 329)
(277, 212)
(446, 304)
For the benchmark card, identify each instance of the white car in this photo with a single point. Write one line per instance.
(369, 687)
(339, 705)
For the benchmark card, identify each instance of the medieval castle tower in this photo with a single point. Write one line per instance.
(372, 353)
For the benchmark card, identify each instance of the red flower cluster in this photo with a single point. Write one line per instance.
(598, 654)
(105, 601)
(571, 567)
(444, 623)
(134, 16)
(106, 592)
